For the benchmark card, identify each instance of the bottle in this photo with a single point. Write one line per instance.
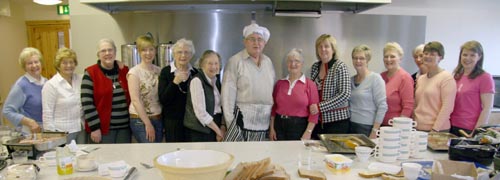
(64, 160)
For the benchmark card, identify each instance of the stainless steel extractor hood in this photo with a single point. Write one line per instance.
(288, 6)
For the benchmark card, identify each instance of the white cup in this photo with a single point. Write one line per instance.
(117, 170)
(48, 157)
(404, 154)
(363, 153)
(417, 153)
(411, 170)
(388, 132)
(389, 141)
(387, 149)
(304, 158)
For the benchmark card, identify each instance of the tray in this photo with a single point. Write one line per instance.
(438, 141)
(340, 147)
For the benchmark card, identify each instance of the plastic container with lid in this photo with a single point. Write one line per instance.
(64, 161)
(338, 163)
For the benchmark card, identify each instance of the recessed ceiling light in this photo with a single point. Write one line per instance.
(47, 2)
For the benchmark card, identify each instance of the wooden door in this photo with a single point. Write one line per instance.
(48, 37)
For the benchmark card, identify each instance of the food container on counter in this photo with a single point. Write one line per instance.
(338, 163)
(471, 150)
(37, 143)
(194, 164)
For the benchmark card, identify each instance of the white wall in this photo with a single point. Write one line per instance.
(453, 22)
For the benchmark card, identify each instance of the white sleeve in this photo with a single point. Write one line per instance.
(198, 100)
(49, 99)
(229, 89)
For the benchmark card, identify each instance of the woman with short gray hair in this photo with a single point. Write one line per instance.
(292, 95)
(173, 88)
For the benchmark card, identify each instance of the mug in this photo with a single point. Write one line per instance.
(388, 132)
(387, 157)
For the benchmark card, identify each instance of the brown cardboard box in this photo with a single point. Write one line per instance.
(453, 167)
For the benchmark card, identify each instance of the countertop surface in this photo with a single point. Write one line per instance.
(284, 153)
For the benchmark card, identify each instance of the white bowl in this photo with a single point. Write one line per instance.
(194, 164)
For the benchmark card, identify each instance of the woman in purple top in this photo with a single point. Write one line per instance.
(293, 96)
(23, 106)
(475, 89)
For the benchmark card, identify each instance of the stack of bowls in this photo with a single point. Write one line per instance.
(418, 144)
(406, 125)
(387, 149)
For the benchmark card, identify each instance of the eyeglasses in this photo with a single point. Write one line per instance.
(182, 52)
(104, 51)
(252, 39)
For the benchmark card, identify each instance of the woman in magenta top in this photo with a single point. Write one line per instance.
(293, 96)
(398, 84)
(475, 89)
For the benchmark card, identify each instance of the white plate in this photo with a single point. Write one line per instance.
(87, 169)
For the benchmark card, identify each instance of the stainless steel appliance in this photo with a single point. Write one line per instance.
(496, 102)
(130, 55)
(164, 54)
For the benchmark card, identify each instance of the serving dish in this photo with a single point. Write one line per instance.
(335, 143)
(439, 141)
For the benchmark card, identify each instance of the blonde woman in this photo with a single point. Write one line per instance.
(23, 106)
(145, 108)
(399, 86)
(62, 110)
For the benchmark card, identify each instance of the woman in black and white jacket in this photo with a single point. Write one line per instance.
(334, 86)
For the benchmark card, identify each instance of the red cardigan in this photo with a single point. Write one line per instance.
(103, 94)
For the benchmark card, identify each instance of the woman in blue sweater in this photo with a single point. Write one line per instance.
(23, 106)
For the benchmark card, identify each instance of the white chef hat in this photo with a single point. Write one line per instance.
(255, 28)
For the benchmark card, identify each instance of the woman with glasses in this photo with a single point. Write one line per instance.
(173, 88)
(368, 98)
(435, 94)
(247, 88)
(290, 116)
(105, 97)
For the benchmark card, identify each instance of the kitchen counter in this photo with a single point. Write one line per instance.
(284, 153)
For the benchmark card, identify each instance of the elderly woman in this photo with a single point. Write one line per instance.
(247, 88)
(62, 108)
(23, 106)
(475, 90)
(173, 88)
(334, 86)
(105, 97)
(399, 86)
(203, 118)
(145, 110)
(435, 94)
(368, 98)
(290, 116)
(418, 56)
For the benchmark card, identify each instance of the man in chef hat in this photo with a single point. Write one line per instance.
(247, 88)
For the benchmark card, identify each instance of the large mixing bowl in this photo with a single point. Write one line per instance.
(194, 164)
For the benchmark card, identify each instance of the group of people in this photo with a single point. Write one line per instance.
(181, 103)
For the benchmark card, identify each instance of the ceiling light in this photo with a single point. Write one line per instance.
(47, 2)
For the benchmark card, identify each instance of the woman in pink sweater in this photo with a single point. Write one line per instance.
(435, 94)
(398, 84)
(475, 89)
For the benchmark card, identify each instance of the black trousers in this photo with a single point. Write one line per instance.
(335, 127)
(289, 127)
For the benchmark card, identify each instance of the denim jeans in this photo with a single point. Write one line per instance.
(139, 130)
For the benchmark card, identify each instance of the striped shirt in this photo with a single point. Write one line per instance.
(119, 112)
